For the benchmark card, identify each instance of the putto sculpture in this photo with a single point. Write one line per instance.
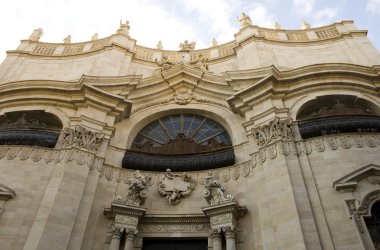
(174, 187)
(200, 63)
(165, 63)
(213, 191)
(186, 46)
(244, 20)
(137, 190)
(36, 34)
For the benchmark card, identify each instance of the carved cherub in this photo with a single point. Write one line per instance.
(213, 191)
(186, 46)
(200, 63)
(165, 63)
(244, 20)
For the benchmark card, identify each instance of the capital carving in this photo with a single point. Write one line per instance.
(275, 130)
(174, 187)
(82, 138)
(229, 232)
(213, 191)
(116, 233)
(137, 190)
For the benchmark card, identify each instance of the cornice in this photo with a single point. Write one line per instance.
(290, 82)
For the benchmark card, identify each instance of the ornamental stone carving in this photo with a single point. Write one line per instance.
(22, 122)
(165, 63)
(275, 130)
(82, 138)
(174, 187)
(183, 96)
(137, 190)
(244, 20)
(214, 192)
(124, 28)
(186, 46)
(36, 34)
(200, 63)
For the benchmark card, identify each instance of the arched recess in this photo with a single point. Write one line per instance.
(181, 141)
(32, 128)
(331, 114)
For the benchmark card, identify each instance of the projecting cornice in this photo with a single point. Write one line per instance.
(75, 93)
(284, 84)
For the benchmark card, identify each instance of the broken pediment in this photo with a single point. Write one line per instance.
(348, 183)
(6, 193)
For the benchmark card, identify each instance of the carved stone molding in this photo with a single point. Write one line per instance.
(81, 137)
(273, 131)
(124, 216)
(6, 193)
(174, 187)
(183, 96)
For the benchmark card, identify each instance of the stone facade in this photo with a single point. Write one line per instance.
(285, 190)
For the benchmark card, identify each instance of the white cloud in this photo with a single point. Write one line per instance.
(324, 16)
(373, 6)
(261, 17)
(303, 7)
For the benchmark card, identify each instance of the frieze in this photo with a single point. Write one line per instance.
(173, 228)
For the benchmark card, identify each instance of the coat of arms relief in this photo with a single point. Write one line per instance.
(175, 186)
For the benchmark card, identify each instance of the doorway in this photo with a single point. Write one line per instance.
(174, 244)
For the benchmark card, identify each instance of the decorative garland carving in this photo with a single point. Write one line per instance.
(275, 130)
(183, 96)
(81, 137)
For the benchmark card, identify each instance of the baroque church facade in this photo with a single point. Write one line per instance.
(270, 141)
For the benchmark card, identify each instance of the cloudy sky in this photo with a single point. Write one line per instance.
(173, 21)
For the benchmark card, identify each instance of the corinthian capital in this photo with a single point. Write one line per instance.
(273, 131)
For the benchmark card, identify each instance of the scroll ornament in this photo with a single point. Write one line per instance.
(275, 130)
(214, 192)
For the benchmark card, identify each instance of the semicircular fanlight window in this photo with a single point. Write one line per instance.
(180, 142)
(188, 133)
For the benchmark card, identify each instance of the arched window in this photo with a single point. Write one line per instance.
(180, 142)
(33, 128)
(333, 114)
(373, 224)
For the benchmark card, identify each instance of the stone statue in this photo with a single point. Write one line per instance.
(200, 63)
(94, 37)
(213, 191)
(244, 20)
(165, 63)
(36, 34)
(186, 46)
(159, 45)
(137, 190)
(305, 25)
(67, 39)
(214, 43)
(124, 28)
(277, 25)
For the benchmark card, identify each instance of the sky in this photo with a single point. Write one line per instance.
(173, 21)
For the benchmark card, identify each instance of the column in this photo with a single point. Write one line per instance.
(216, 239)
(129, 240)
(115, 241)
(230, 238)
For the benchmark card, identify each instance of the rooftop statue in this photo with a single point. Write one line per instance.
(305, 25)
(94, 37)
(124, 28)
(36, 34)
(200, 63)
(186, 46)
(277, 25)
(214, 43)
(67, 39)
(244, 20)
(159, 45)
